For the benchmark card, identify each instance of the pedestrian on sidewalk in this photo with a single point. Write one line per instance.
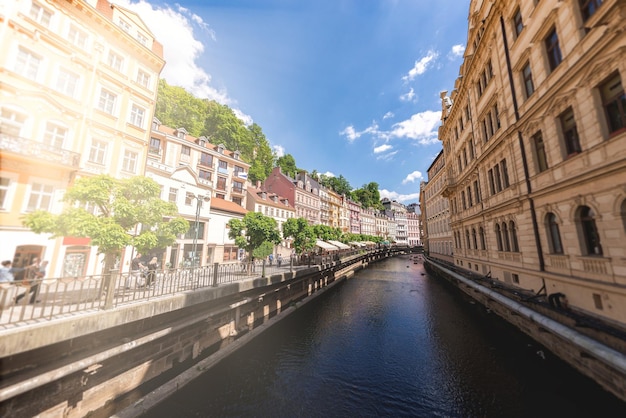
(136, 266)
(6, 272)
(34, 274)
(279, 260)
(152, 268)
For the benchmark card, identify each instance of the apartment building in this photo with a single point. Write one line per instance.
(534, 138)
(79, 84)
(354, 213)
(207, 182)
(413, 229)
(368, 222)
(274, 206)
(437, 211)
(303, 191)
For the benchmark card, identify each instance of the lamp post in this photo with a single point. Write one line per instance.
(199, 200)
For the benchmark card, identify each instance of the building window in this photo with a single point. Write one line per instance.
(529, 87)
(40, 14)
(40, 197)
(614, 103)
(77, 37)
(517, 22)
(67, 82)
(553, 49)
(589, 231)
(481, 232)
(206, 159)
(106, 102)
(492, 185)
(129, 163)
(540, 152)
(467, 239)
(143, 78)
(506, 244)
(5, 183)
(476, 191)
(589, 7)
(469, 197)
(463, 200)
(204, 174)
(123, 25)
(185, 150)
(97, 152)
(505, 174)
(237, 187)
(597, 301)
(474, 238)
(515, 278)
(155, 146)
(239, 172)
(237, 200)
(27, 64)
(498, 237)
(54, 135)
(136, 116)
(11, 122)
(570, 133)
(554, 235)
(115, 61)
(498, 178)
(222, 166)
(173, 195)
(221, 183)
(513, 236)
(142, 39)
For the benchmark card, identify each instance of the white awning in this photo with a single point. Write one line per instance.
(356, 244)
(325, 246)
(339, 245)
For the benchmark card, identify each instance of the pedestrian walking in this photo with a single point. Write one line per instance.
(271, 257)
(279, 260)
(136, 266)
(6, 272)
(152, 268)
(34, 274)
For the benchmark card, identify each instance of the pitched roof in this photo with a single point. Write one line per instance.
(227, 206)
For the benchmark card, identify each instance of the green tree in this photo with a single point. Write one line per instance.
(368, 196)
(263, 159)
(339, 184)
(287, 165)
(176, 108)
(255, 233)
(301, 232)
(325, 232)
(121, 206)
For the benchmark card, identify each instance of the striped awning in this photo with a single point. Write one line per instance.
(339, 245)
(325, 246)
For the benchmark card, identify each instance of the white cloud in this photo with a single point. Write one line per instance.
(329, 174)
(421, 66)
(382, 148)
(278, 150)
(409, 96)
(416, 175)
(388, 156)
(456, 51)
(351, 134)
(422, 127)
(181, 49)
(397, 196)
(388, 115)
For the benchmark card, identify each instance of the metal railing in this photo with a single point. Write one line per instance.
(45, 299)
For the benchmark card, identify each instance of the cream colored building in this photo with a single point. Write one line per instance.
(437, 211)
(534, 137)
(368, 222)
(207, 182)
(79, 84)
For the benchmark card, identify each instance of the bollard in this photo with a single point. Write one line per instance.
(215, 270)
(108, 288)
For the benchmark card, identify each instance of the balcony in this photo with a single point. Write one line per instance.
(159, 166)
(38, 150)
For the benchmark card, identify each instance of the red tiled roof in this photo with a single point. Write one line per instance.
(227, 206)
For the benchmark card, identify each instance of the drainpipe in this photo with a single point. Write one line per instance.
(533, 213)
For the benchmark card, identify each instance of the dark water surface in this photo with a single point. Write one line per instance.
(391, 342)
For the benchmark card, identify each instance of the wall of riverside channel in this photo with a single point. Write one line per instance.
(98, 363)
(596, 354)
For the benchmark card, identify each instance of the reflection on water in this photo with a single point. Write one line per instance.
(394, 342)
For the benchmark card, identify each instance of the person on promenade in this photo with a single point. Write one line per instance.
(271, 257)
(34, 274)
(136, 266)
(152, 268)
(279, 260)
(6, 272)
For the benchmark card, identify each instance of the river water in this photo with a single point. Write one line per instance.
(391, 342)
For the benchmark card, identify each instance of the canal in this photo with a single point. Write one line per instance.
(394, 342)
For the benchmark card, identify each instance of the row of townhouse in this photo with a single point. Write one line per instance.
(531, 183)
(79, 90)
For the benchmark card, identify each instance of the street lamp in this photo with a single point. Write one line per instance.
(199, 200)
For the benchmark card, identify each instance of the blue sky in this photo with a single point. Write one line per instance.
(348, 87)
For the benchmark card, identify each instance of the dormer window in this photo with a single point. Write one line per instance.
(202, 141)
(181, 133)
(220, 148)
(123, 25)
(155, 124)
(236, 155)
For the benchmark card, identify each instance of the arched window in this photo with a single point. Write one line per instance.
(467, 239)
(590, 236)
(553, 233)
(498, 237)
(481, 232)
(474, 239)
(513, 234)
(505, 237)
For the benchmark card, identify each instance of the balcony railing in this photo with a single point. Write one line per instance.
(38, 150)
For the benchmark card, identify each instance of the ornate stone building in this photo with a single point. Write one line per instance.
(79, 84)
(437, 211)
(534, 137)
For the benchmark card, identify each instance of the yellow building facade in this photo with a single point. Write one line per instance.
(79, 82)
(534, 138)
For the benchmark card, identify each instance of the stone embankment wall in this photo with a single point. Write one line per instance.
(595, 351)
(99, 363)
